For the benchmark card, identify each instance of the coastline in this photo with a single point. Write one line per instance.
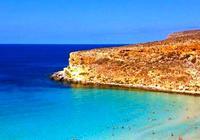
(57, 109)
(170, 65)
(91, 84)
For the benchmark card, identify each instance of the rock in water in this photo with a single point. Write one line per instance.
(58, 76)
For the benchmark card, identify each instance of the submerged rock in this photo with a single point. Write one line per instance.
(171, 65)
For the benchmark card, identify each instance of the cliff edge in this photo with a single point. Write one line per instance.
(171, 65)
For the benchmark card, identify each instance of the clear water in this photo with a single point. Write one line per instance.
(35, 108)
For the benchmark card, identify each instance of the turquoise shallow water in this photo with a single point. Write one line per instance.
(35, 108)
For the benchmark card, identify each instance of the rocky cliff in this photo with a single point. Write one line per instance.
(171, 65)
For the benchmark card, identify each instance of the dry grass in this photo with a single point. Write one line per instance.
(171, 64)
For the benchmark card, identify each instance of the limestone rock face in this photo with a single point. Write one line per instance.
(171, 65)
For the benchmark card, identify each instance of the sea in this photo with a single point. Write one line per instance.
(33, 107)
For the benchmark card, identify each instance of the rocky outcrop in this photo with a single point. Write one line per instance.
(192, 33)
(171, 65)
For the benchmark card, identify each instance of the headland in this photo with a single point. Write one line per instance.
(170, 65)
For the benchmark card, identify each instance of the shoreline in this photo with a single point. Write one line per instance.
(171, 65)
(91, 84)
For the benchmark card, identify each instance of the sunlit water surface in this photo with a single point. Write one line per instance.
(35, 108)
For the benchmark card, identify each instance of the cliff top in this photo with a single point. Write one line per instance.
(175, 41)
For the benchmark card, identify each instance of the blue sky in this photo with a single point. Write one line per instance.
(94, 21)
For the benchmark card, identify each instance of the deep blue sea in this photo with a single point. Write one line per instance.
(33, 107)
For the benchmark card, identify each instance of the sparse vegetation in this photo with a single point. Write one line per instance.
(169, 65)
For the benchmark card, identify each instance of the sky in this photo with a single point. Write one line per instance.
(94, 21)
